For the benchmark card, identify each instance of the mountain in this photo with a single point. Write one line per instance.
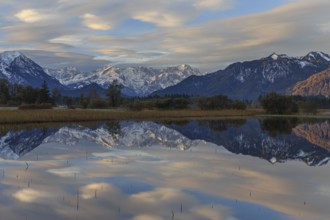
(17, 68)
(248, 80)
(137, 81)
(315, 85)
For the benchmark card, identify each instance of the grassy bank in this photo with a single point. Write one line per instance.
(12, 116)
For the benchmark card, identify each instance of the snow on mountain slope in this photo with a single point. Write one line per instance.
(17, 68)
(139, 81)
(64, 74)
(250, 79)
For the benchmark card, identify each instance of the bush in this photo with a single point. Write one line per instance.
(214, 102)
(98, 103)
(136, 105)
(239, 105)
(278, 104)
(309, 107)
(35, 106)
(180, 103)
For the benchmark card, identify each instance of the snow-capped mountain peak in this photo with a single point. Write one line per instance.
(317, 56)
(274, 56)
(17, 68)
(8, 57)
(137, 80)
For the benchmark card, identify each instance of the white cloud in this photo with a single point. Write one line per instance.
(295, 28)
(159, 18)
(30, 16)
(214, 4)
(68, 40)
(94, 22)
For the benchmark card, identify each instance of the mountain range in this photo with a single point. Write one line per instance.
(308, 75)
(137, 80)
(250, 79)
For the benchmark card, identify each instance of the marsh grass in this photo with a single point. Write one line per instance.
(13, 116)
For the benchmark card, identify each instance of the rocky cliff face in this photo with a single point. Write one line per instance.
(316, 85)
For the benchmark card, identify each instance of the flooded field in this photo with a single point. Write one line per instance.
(229, 169)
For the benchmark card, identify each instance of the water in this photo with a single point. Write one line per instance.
(229, 169)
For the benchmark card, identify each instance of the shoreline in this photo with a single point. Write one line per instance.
(15, 116)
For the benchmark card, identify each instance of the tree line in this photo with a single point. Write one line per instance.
(273, 103)
(28, 96)
(31, 97)
(16, 94)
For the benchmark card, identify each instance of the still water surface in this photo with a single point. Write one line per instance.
(229, 169)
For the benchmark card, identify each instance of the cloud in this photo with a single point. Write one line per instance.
(94, 22)
(64, 59)
(161, 19)
(214, 4)
(172, 32)
(68, 40)
(30, 16)
(130, 56)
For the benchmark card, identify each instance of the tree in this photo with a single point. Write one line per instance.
(56, 95)
(278, 104)
(309, 107)
(30, 94)
(44, 94)
(83, 101)
(214, 102)
(4, 91)
(114, 94)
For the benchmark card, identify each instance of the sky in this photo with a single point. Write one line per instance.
(207, 34)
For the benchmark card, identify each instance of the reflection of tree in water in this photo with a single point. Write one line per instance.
(223, 125)
(278, 126)
(114, 129)
(175, 122)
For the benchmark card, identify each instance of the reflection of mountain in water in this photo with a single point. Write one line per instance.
(317, 133)
(250, 139)
(125, 134)
(17, 143)
(269, 139)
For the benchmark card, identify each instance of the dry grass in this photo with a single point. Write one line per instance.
(11, 116)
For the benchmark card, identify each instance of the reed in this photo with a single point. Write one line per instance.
(13, 116)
